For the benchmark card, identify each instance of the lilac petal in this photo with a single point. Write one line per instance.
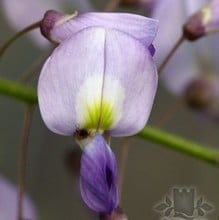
(72, 79)
(135, 69)
(8, 202)
(141, 28)
(98, 180)
(62, 76)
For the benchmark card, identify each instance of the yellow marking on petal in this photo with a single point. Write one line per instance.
(97, 110)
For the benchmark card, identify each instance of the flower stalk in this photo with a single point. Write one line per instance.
(18, 91)
(171, 53)
(201, 152)
(12, 39)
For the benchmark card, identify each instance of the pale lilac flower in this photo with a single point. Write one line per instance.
(25, 12)
(8, 202)
(98, 180)
(100, 79)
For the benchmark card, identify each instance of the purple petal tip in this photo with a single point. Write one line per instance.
(98, 180)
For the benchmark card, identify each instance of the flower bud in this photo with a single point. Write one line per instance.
(203, 94)
(51, 19)
(202, 23)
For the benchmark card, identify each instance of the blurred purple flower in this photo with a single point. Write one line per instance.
(101, 77)
(194, 66)
(23, 13)
(183, 67)
(202, 94)
(98, 180)
(8, 202)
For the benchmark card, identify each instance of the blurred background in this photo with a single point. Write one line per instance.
(151, 172)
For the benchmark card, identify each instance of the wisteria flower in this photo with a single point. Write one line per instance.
(108, 78)
(101, 79)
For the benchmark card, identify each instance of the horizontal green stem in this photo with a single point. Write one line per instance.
(177, 143)
(18, 91)
(204, 153)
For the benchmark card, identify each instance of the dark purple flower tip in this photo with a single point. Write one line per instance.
(98, 182)
(50, 20)
(152, 50)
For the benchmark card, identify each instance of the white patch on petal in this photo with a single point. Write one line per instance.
(91, 111)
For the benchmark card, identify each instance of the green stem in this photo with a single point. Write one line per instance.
(18, 91)
(28, 95)
(204, 153)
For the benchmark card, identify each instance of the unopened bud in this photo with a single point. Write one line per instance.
(203, 95)
(52, 19)
(202, 23)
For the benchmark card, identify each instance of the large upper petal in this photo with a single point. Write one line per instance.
(139, 27)
(98, 77)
